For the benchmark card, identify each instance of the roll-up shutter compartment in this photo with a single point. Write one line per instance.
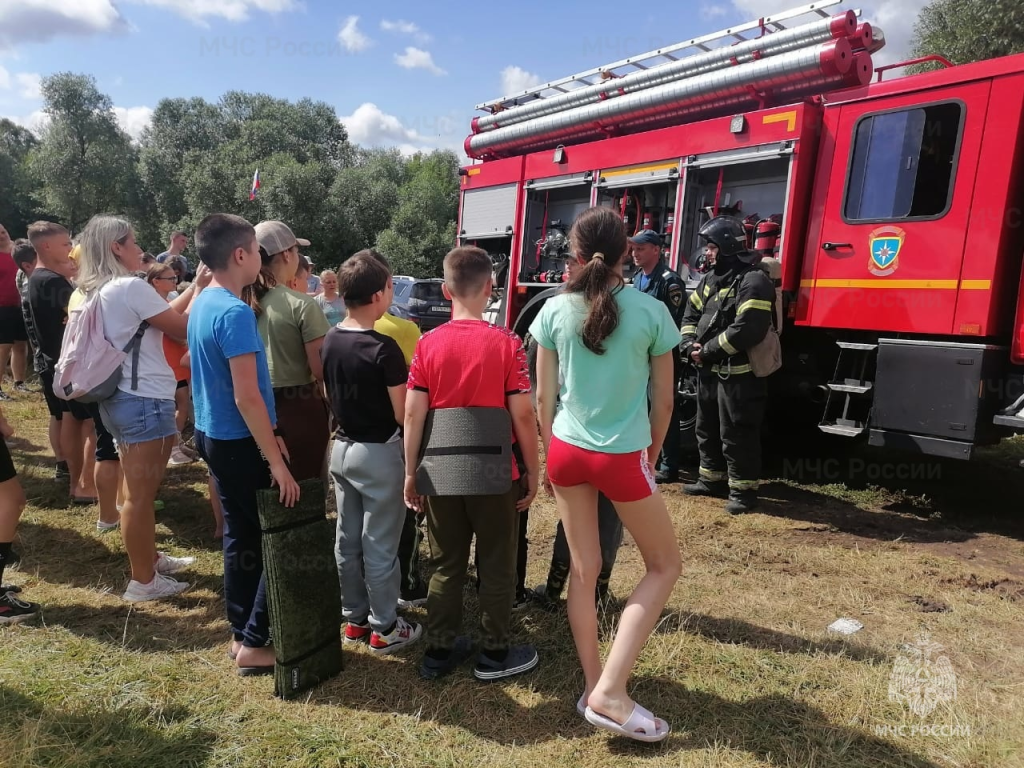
(488, 212)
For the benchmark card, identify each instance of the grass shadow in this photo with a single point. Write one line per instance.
(738, 632)
(822, 509)
(155, 629)
(125, 737)
(777, 729)
(950, 498)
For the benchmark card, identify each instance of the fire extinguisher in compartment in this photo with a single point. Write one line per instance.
(766, 234)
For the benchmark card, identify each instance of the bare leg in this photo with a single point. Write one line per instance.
(107, 476)
(87, 485)
(12, 502)
(19, 361)
(54, 435)
(143, 465)
(180, 409)
(649, 524)
(73, 448)
(122, 487)
(5, 358)
(577, 508)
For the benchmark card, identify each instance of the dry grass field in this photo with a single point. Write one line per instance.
(741, 665)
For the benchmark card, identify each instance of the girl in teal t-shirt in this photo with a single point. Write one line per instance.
(599, 348)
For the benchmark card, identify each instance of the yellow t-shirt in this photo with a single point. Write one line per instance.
(405, 332)
(76, 300)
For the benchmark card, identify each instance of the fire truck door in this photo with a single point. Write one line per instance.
(890, 247)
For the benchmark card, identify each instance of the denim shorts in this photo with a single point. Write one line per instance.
(132, 419)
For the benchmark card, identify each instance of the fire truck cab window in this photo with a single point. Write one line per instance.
(903, 164)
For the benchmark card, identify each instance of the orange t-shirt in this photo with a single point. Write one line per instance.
(174, 351)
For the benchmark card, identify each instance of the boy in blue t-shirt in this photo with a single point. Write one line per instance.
(236, 426)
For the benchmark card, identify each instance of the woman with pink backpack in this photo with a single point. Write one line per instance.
(140, 412)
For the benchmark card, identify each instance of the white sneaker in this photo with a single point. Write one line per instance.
(178, 457)
(104, 527)
(161, 586)
(167, 565)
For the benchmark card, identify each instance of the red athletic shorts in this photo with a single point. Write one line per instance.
(619, 476)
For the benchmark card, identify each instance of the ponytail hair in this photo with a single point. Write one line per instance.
(598, 239)
(253, 294)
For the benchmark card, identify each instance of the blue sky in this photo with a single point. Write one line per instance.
(398, 72)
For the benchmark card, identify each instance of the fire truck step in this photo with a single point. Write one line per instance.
(856, 345)
(851, 387)
(1004, 420)
(844, 431)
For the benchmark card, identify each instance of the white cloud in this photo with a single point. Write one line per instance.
(30, 83)
(27, 83)
(415, 58)
(708, 11)
(232, 10)
(38, 21)
(133, 119)
(352, 38)
(35, 121)
(516, 79)
(896, 19)
(370, 126)
(403, 27)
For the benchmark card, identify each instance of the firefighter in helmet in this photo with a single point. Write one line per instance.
(655, 278)
(729, 312)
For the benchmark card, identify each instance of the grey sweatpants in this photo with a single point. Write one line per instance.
(371, 511)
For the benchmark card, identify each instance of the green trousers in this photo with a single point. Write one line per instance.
(452, 521)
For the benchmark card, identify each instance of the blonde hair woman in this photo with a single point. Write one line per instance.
(330, 301)
(140, 414)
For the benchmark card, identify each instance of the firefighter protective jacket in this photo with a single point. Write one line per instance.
(667, 287)
(728, 314)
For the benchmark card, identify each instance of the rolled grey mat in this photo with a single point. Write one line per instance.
(466, 452)
(303, 593)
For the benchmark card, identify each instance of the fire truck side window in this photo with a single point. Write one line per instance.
(903, 164)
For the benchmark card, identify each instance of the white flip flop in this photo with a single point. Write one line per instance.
(641, 725)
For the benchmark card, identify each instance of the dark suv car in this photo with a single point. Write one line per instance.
(422, 301)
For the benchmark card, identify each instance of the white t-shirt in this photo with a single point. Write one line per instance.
(126, 302)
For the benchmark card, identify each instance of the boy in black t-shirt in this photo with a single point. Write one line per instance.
(49, 291)
(365, 376)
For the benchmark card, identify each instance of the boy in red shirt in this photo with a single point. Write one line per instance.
(467, 363)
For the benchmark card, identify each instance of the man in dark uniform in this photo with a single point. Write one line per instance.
(729, 312)
(655, 278)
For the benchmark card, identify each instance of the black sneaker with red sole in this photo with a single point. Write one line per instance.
(14, 610)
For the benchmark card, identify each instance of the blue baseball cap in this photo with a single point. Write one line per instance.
(647, 236)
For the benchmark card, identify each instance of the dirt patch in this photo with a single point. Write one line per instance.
(1008, 589)
(926, 605)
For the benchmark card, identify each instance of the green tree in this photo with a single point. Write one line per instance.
(365, 196)
(17, 206)
(198, 157)
(84, 162)
(183, 132)
(965, 32)
(423, 228)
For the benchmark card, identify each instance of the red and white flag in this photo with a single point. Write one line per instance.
(255, 184)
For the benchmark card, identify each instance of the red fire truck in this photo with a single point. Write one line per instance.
(889, 211)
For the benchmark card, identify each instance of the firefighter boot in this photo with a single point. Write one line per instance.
(719, 489)
(741, 502)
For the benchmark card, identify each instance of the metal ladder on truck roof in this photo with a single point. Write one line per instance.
(652, 59)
